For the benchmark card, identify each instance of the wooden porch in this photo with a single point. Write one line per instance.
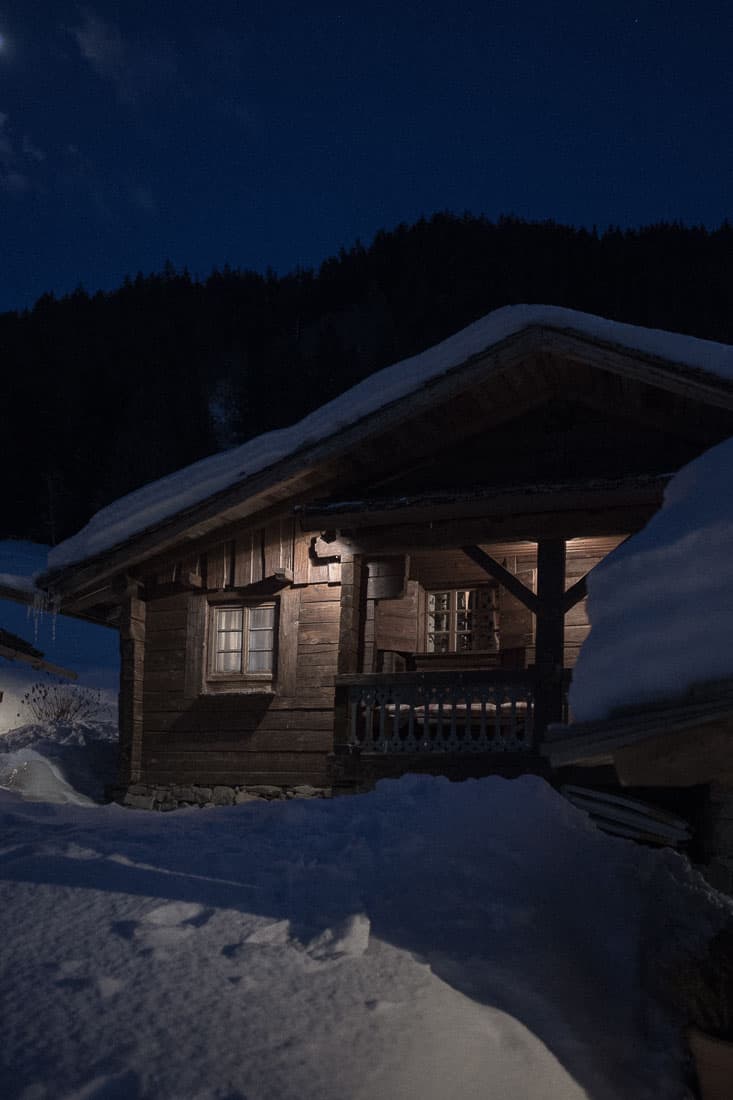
(465, 712)
(455, 657)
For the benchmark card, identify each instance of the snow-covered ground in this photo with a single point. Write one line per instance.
(425, 941)
(660, 605)
(90, 651)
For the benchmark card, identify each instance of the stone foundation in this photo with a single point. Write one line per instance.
(142, 796)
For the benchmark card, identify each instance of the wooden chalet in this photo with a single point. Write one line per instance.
(404, 592)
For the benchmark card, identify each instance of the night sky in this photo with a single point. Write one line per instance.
(271, 133)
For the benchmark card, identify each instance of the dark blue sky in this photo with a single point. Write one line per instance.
(271, 133)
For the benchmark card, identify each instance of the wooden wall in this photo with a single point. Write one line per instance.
(452, 569)
(178, 732)
(236, 737)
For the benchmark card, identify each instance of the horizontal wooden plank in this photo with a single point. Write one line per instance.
(166, 620)
(164, 680)
(160, 604)
(317, 574)
(175, 701)
(228, 763)
(323, 655)
(315, 774)
(314, 593)
(170, 742)
(312, 649)
(318, 678)
(322, 611)
(165, 639)
(577, 616)
(318, 633)
(272, 720)
(164, 660)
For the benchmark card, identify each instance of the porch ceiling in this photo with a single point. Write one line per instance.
(570, 510)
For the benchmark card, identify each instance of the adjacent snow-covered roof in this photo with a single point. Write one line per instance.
(20, 563)
(154, 503)
(661, 605)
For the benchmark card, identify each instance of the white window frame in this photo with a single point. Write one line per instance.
(242, 676)
(452, 613)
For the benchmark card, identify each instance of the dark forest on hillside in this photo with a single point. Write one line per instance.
(106, 392)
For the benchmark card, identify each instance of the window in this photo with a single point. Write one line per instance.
(461, 620)
(242, 642)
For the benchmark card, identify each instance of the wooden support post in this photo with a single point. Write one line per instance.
(132, 659)
(351, 638)
(550, 637)
(353, 614)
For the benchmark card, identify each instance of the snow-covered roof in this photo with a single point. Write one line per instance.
(660, 605)
(20, 563)
(160, 500)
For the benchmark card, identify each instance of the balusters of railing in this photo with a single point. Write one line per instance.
(408, 713)
(382, 695)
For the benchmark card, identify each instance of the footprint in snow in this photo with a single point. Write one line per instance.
(274, 934)
(169, 925)
(109, 987)
(349, 937)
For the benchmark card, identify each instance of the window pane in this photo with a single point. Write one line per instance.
(438, 621)
(260, 639)
(439, 601)
(229, 618)
(464, 642)
(259, 660)
(466, 600)
(437, 643)
(262, 618)
(229, 642)
(229, 662)
(463, 620)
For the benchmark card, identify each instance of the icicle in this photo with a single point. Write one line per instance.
(36, 609)
(52, 605)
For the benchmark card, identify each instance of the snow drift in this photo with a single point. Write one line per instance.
(660, 605)
(427, 940)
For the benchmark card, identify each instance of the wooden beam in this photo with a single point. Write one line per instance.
(132, 659)
(503, 576)
(401, 538)
(597, 499)
(36, 662)
(576, 593)
(550, 637)
(351, 621)
(690, 382)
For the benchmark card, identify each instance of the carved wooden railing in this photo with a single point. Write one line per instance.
(437, 712)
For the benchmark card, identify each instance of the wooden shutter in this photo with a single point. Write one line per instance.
(397, 622)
